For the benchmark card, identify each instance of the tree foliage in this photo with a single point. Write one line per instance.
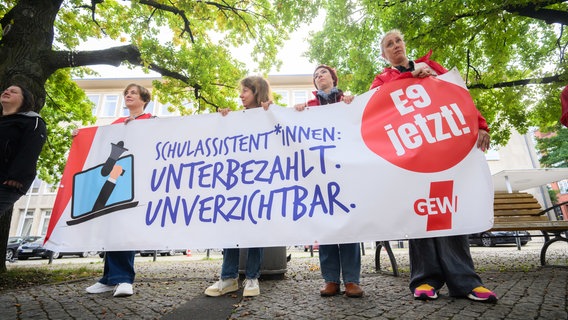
(553, 149)
(189, 42)
(510, 53)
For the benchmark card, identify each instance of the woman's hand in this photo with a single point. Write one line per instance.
(483, 140)
(422, 72)
(13, 184)
(348, 99)
(301, 106)
(266, 104)
(224, 111)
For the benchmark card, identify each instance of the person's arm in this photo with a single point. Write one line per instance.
(347, 98)
(107, 188)
(266, 104)
(224, 111)
(310, 103)
(483, 137)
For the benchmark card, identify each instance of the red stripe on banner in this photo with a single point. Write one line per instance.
(75, 163)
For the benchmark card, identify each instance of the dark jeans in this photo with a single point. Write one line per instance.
(8, 196)
(119, 267)
(230, 267)
(443, 260)
(340, 259)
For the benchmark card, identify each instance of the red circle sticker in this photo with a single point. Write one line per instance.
(422, 125)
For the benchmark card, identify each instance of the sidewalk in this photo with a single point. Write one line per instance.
(172, 288)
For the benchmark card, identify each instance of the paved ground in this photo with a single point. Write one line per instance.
(172, 288)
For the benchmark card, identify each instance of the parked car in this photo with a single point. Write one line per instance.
(15, 242)
(167, 252)
(492, 238)
(35, 249)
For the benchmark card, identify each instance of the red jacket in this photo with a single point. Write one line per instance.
(391, 74)
(140, 117)
(564, 103)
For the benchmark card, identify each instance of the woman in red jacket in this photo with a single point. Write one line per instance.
(344, 259)
(564, 103)
(442, 260)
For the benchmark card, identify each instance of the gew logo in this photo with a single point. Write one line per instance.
(439, 206)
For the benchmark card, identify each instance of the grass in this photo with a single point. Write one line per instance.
(23, 277)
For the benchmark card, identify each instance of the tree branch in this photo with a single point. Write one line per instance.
(112, 56)
(552, 79)
(93, 8)
(537, 11)
(174, 10)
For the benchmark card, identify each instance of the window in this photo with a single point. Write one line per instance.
(150, 107)
(124, 110)
(49, 188)
(300, 97)
(26, 222)
(95, 98)
(563, 186)
(45, 217)
(109, 106)
(284, 98)
(34, 189)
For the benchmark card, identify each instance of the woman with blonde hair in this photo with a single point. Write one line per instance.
(255, 93)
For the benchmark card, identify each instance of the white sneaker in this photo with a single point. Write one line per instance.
(99, 288)
(221, 287)
(123, 290)
(251, 288)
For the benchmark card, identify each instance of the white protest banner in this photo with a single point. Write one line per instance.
(399, 162)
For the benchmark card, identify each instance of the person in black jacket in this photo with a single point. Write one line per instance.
(22, 136)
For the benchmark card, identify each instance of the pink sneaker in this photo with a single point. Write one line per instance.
(425, 292)
(482, 294)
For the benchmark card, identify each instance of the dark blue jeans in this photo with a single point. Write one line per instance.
(230, 268)
(119, 267)
(340, 259)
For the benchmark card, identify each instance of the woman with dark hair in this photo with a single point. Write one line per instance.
(439, 260)
(118, 274)
(255, 93)
(22, 136)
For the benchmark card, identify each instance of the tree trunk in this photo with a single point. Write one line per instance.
(26, 46)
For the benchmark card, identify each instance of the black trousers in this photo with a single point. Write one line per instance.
(443, 260)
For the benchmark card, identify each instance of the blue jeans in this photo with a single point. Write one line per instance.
(337, 259)
(119, 267)
(443, 260)
(8, 196)
(230, 268)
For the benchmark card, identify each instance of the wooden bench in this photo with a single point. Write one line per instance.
(517, 211)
